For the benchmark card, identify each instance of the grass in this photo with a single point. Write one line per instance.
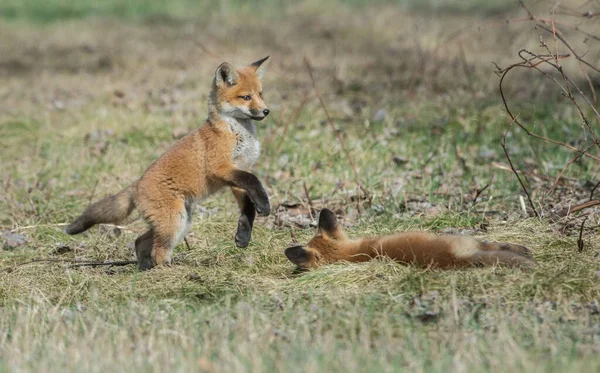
(86, 105)
(59, 10)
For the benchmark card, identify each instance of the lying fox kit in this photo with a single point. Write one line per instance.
(218, 154)
(420, 248)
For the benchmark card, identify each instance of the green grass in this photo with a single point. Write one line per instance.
(71, 132)
(57, 10)
(271, 334)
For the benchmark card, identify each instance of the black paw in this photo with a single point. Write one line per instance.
(242, 238)
(263, 208)
(145, 264)
(244, 229)
(144, 260)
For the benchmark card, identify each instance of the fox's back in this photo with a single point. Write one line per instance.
(419, 247)
(181, 169)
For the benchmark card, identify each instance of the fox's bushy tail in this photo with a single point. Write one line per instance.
(111, 209)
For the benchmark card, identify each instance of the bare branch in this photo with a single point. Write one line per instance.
(335, 131)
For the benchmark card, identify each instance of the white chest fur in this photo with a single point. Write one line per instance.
(247, 148)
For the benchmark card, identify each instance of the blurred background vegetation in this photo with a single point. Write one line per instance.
(55, 10)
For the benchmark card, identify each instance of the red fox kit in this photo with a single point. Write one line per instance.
(220, 153)
(420, 248)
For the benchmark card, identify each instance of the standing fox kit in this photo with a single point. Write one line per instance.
(218, 154)
(420, 248)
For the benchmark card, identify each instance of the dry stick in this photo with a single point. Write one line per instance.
(307, 193)
(37, 226)
(530, 18)
(7, 187)
(581, 60)
(293, 235)
(503, 73)
(580, 239)
(582, 206)
(465, 65)
(278, 122)
(549, 21)
(93, 192)
(478, 192)
(293, 119)
(529, 63)
(529, 13)
(593, 190)
(332, 125)
(566, 90)
(41, 260)
(590, 84)
(206, 50)
(513, 167)
(571, 161)
(72, 261)
(560, 36)
(576, 13)
(532, 173)
(117, 263)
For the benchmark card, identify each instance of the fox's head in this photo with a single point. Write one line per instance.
(326, 247)
(237, 93)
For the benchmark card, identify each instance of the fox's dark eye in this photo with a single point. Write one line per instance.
(246, 98)
(260, 94)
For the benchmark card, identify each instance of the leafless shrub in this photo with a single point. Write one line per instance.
(555, 63)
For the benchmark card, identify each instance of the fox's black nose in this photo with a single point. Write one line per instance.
(266, 112)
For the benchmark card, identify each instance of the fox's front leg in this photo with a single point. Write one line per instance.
(249, 183)
(247, 214)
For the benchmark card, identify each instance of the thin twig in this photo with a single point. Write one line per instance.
(583, 206)
(335, 131)
(560, 174)
(307, 193)
(206, 50)
(93, 192)
(73, 262)
(479, 191)
(17, 229)
(594, 190)
(41, 260)
(117, 263)
(559, 35)
(513, 167)
(532, 173)
(580, 239)
(503, 73)
(293, 119)
(293, 235)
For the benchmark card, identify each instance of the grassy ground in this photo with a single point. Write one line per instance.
(92, 93)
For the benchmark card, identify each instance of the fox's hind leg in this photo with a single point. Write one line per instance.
(511, 247)
(494, 257)
(246, 220)
(143, 250)
(169, 226)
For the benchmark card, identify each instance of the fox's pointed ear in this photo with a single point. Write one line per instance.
(260, 66)
(297, 255)
(226, 75)
(327, 221)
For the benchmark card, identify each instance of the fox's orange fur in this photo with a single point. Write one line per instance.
(220, 153)
(421, 248)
